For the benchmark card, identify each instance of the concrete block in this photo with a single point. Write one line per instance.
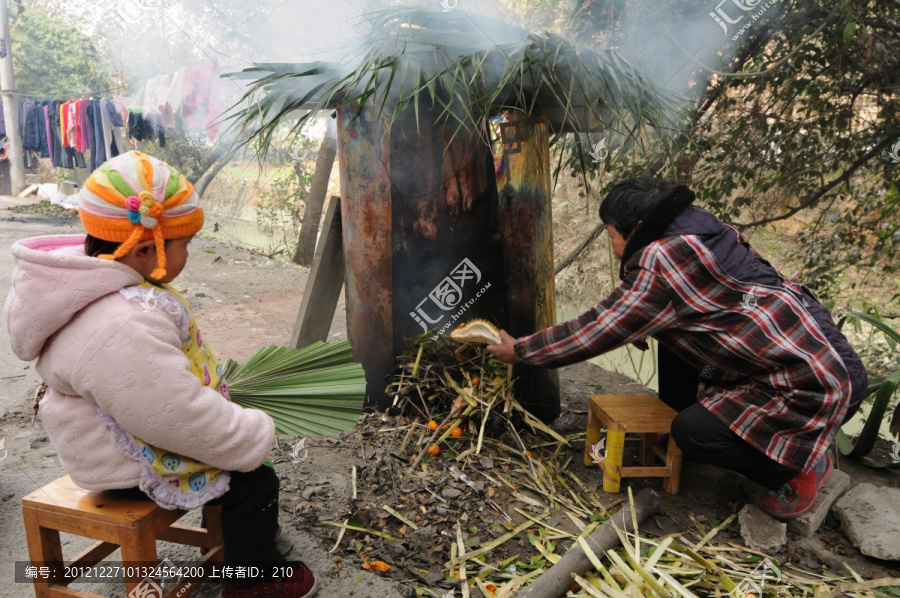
(760, 530)
(870, 516)
(808, 524)
(68, 187)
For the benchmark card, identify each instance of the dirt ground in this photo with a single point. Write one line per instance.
(243, 301)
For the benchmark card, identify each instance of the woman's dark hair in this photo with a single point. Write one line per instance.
(630, 201)
(94, 247)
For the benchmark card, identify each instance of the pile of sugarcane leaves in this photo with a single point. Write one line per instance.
(497, 505)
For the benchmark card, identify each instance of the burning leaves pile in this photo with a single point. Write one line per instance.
(496, 505)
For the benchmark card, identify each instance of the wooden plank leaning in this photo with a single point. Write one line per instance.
(323, 287)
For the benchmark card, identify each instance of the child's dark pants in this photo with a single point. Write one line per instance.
(249, 515)
(703, 437)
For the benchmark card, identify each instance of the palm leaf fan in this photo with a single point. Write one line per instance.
(314, 391)
(469, 67)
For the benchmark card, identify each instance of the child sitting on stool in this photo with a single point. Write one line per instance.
(135, 402)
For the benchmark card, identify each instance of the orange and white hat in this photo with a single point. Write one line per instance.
(134, 198)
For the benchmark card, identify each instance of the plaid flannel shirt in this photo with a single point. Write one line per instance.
(766, 369)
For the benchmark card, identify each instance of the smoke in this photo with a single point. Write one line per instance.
(150, 37)
(679, 45)
(674, 43)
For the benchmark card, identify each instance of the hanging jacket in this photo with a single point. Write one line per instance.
(174, 98)
(72, 124)
(115, 115)
(112, 132)
(64, 123)
(47, 132)
(65, 116)
(100, 147)
(58, 155)
(89, 128)
(40, 127)
(81, 129)
(27, 131)
(84, 126)
(135, 125)
(201, 105)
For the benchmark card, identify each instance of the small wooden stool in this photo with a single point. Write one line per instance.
(133, 525)
(642, 414)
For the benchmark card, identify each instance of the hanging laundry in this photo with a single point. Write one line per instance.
(174, 98)
(201, 106)
(155, 96)
(46, 110)
(100, 154)
(63, 125)
(157, 89)
(26, 119)
(65, 130)
(86, 132)
(136, 124)
(143, 127)
(72, 123)
(121, 106)
(33, 131)
(107, 131)
(83, 126)
(41, 126)
(54, 113)
(89, 133)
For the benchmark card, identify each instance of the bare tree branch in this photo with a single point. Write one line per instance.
(567, 261)
(815, 197)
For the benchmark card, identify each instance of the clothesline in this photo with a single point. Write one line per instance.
(86, 131)
(86, 94)
(81, 133)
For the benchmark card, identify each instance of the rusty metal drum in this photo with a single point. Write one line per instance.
(439, 230)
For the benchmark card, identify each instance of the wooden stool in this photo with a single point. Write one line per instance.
(642, 414)
(133, 525)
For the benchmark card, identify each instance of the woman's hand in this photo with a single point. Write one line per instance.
(505, 351)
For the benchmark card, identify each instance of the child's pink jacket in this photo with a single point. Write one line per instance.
(95, 348)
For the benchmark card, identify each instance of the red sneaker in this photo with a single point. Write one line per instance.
(301, 584)
(798, 495)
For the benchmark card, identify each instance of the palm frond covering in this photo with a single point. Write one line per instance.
(314, 391)
(470, 68)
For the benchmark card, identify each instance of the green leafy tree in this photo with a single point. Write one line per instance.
(54, 59)
(793, 114)
(282, 203)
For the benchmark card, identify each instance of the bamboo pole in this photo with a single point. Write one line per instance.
(556, 580)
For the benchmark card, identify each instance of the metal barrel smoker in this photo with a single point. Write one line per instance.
(437, 230)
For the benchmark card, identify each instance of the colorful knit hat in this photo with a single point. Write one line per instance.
(134, 198)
